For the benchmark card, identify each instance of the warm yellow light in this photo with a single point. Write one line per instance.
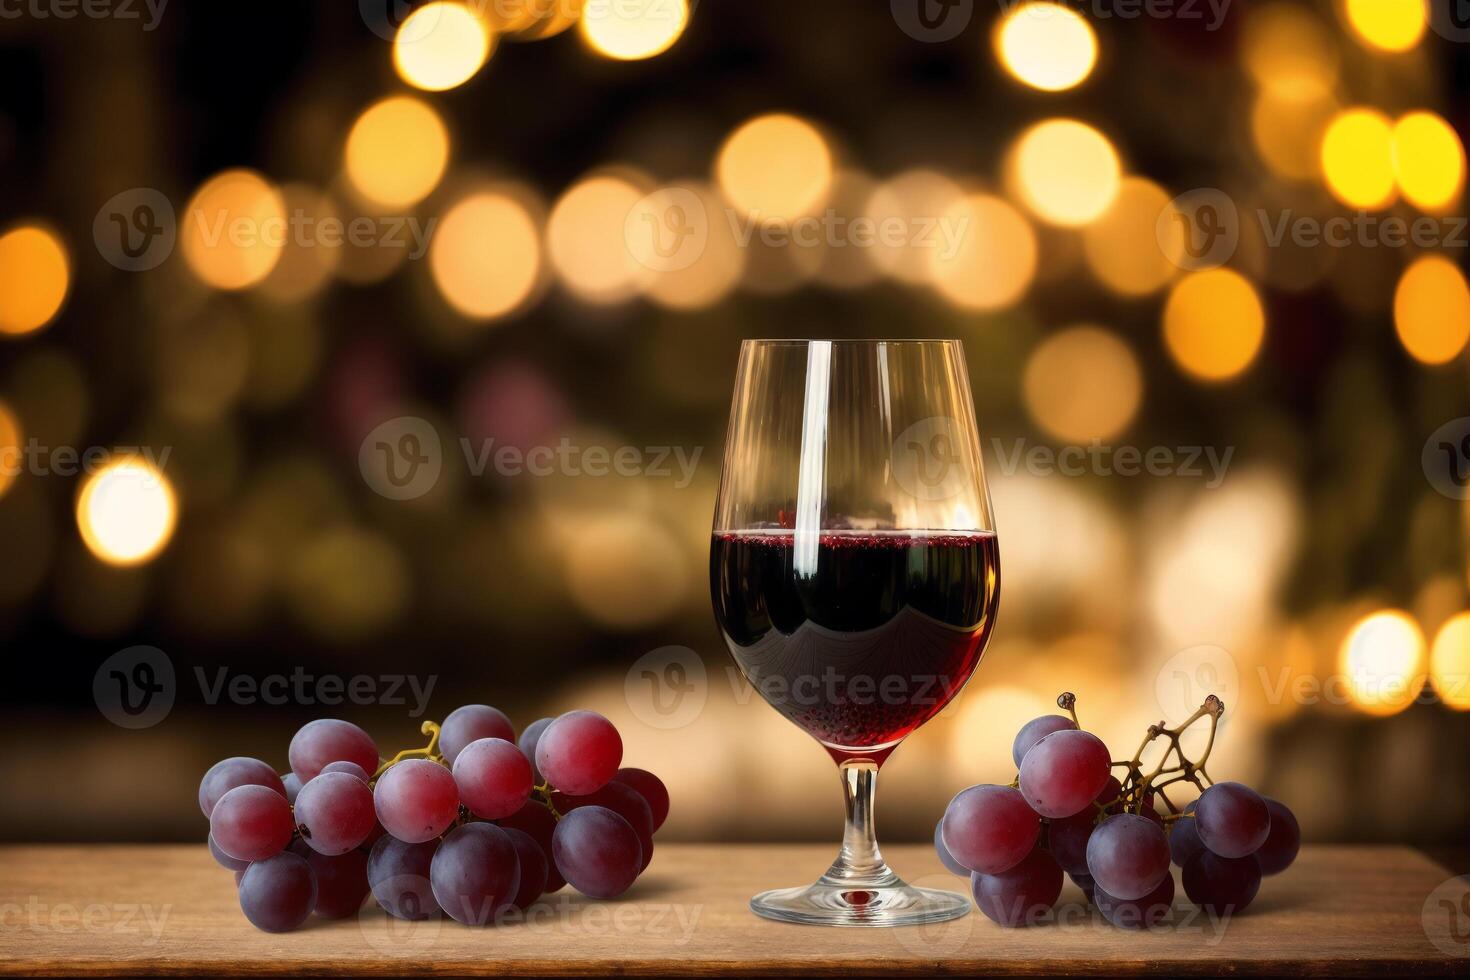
(441, 45)
(629, 30)
(1214, 324)
(1287, 128)
(1357, 158)
(1382, 661)
(1066, 172)
(775, 167)
(1449, 662)
(486, 256)
(1082, 384)
(234, 230)
(898, 204)
(1289, 51)
(1047, 46)
(1389, 25)
(34, 276)
(585, 239)
(126, 512)
(1428, 160)
(1123, 248)
(1431, 310)
(983, 254)
(397, 151)
(10, 448)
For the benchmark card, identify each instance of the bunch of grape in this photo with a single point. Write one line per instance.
(1067, 812)
(475, 826)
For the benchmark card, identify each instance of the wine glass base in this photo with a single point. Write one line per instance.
(853, 904)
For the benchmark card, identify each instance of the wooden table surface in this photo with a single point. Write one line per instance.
(170, 909)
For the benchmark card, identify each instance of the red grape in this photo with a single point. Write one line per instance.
(1127, 855)
(537, 821)
(470, 724)
(621, 799)
(1184, 842)
(341, 882)
(528, 740)
(493, 778)
(225, 775)
(990, 828)
(251, 823)
(1282, 843)
(1064, 772)
(651, 788)
(579, 752)
(1067, 837)
(278, 893)
(1034, 731)
(398, 874)
(1232, 819)
(351, 768)
(329, 740)
(475, 873)
(946, 858)
(533, 867)
(1138, 913)
(335, 812)
(292, 785)
(416, 800)
(1022, 895)
(224, 860)
(1222, 885)
(597, 851)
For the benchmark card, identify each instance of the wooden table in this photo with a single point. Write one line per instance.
(169, 909)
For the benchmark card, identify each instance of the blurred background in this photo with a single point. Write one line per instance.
(1206, 260)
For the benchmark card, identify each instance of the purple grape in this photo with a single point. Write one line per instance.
(597, 851)
(1034, 731)
(1232, 819)
(579, 752)
(1222, 885)
(416, 800)
(341, 882)
(493, 778)
(1282, 843)
(227, 774)
(1184, 842)
(278, 893)
(351, 768)
(1138, 913)
(946, 858)
(623, 800)
(251, 823)
(224, 860)
(651, 788)
(528, 741)
(989, 828)
(292, 784)
(398, 875)
(537, 821)
(533, 867)
(330, 740)
(470, 724)
(475, 873)
(1022, 895)
(335, 812)
(1066, 840)
(1127, 856)
(1064, 772)
(1085, 882)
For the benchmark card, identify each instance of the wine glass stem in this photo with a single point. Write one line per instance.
(859, 861)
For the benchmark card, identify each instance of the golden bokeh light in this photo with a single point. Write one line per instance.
(984, 254)
(1287, 128)
(630, 30)
(441, 45)
(1431, 310)
(234, 230)
(1123, 248)
(1428, 160)
(1046, 45)
(10, 448)
(680, 236)
(1082, 384)
(126, 511)
(775, 167)
(1214, 324)
(34, 277)
(585, 239)
(486, 256)
(1289, 51)
(1066, 172)
(1388, 25)
(896, 204)
(396, 152)
(308, 260)
(1357, 159)
(1449, 662)
(1382, 662)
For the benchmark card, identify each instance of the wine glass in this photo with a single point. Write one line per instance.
(855, 573)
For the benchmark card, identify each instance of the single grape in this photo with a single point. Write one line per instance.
(475, 873)
(398, 875)
(493, 778)
(335, 812)
(471, 723)
(251, 823)
(1085, 882)
(597, 851)
(1139, 913)
(416, 800)
(536, 820)
(579, 752)
(330, 740)
(528, 741)
(1110, 799)
(1022, 895)
(533, 867)
(1184, 842)
(1232, 819)
(374, 834)
(1067, 837)
(1064, 772)
(292, 784)
(1034, 731)
(240, 771)
(1282, 843)
(989, 828)
(1127, 856)
(341, 882)
(946, 858)
(623, 800)
(224, 860)
(1222, 885)
(351, 768)
(651, 788)
(279, 892)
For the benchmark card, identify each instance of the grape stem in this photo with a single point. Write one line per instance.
(430, 751)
